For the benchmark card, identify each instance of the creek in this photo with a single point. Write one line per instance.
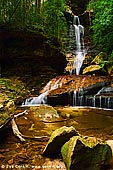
(90, 113)
(42, 121)
(101, 95)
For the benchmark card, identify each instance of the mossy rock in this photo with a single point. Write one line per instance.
(44, 110)
(85, 153)
(57, 140)
(10, 90)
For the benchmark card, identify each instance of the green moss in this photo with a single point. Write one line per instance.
(85, 153)
(10, 89)
(61, 130)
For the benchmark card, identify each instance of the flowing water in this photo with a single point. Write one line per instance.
(102, 99)
(42, 98)
(79, 51)
(42, 121)
(79, 55)
(77, 92)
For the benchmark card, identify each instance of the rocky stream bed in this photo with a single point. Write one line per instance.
(26, 67)
(36, 124)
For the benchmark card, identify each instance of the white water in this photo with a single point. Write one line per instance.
(75, 98)
(78, 61)
(103, 94)
(102, 99)
(42, 98)
(79, 51)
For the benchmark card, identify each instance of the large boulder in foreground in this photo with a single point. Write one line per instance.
(58, 138)
(86, 153)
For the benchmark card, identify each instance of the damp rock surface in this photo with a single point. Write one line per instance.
(79, 91)
(57, 139)
(86, 153)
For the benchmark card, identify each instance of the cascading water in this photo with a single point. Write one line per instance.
(74, 90)
(104, 96)
(79, 55)
(80, 52)
(42, 98)
(78, 97)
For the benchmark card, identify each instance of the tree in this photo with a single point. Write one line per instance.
(54, 22)
(103, 24)
(47, 16)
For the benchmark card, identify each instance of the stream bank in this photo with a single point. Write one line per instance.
(42, 121)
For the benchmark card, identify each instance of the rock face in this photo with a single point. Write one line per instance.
(28, 53)
(57, 140)
(79, 91)
(85, 153)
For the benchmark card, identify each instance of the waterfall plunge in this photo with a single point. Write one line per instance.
(42, 98)
(80, 51)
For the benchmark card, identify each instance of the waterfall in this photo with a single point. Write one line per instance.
(103, 98)
(75, 98)
(78, 98)
(42, 98)
(79, 45)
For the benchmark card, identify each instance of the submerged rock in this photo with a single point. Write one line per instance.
(44, 112)
(57, 140)
(86, 153)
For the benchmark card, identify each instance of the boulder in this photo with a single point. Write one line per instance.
(58, 138)
(86, 153)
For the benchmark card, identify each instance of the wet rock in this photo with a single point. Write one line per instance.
(103, 98)
(62, 84)
(2, 156)
(57, 140)
(92, 68)
(98, 66)
(9, 89)
(64, 90)
(95, 67)
(86, 153)
(44, 112)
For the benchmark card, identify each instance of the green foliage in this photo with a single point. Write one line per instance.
(102, 24)
(47, 16)
(53, 20)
